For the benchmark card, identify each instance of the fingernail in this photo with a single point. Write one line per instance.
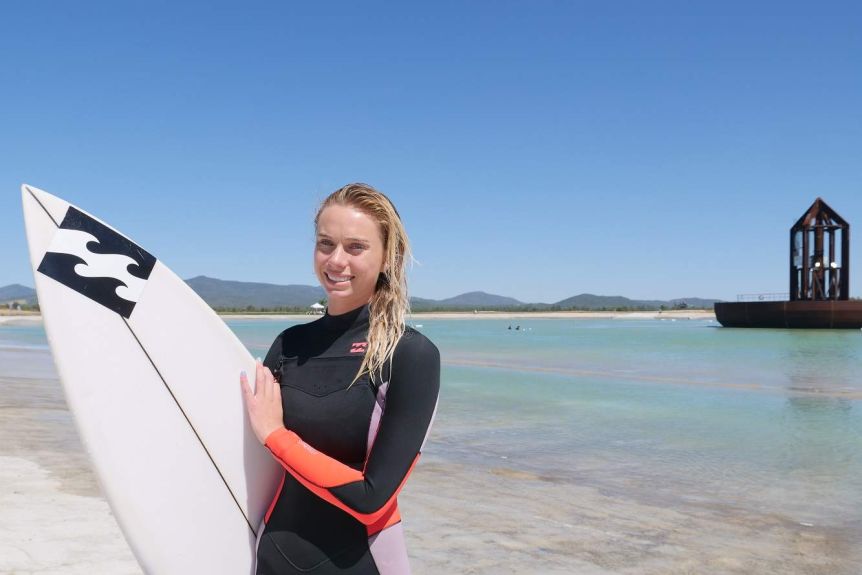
(243, 374)
(259, 360)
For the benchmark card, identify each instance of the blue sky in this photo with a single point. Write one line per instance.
(534, 149)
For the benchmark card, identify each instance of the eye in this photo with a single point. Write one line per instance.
(355, 248)
(325, 245)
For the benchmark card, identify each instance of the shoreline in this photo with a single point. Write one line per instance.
(18, 319)
(672, 314)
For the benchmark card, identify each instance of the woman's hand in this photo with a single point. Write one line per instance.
(264, 404)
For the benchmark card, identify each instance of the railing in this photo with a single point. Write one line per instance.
(763, 297)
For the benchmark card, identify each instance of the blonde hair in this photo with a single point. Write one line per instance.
(390, 304)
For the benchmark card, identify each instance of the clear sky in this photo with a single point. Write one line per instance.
(536, 149)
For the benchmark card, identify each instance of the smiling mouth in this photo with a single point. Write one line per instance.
(337, 279)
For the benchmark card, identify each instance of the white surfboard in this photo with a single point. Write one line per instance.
(151, 375)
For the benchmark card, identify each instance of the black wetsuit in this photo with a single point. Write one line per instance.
(347, 450)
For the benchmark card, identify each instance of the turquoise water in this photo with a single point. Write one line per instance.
(663, 411)
(24, 336)
(667, 412)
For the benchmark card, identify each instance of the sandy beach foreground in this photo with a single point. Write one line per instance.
(53, 518)
(460, 517)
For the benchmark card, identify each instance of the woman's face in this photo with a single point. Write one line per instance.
(348, 257)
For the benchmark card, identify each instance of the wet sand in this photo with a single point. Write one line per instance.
(53, 518)
(460, 517)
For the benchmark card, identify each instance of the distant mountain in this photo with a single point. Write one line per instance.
(477, 299)
(592, 301)
(470, 300)
(421, 303)
(232, 294)
(240, 295)
(17, 292)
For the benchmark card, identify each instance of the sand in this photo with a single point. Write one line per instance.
(46, 530)
(53, 518)
(463, 519)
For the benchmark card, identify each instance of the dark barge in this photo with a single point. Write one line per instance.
(819, 280)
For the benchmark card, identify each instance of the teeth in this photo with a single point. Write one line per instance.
(338, 278)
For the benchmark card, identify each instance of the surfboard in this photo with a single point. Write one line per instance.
(151, 375)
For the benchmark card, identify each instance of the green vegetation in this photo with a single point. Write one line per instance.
(252, 310)
(547, 308)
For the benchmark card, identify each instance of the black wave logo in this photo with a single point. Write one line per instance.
(97, 262)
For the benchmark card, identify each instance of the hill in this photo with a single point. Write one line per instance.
(592, 301)
(588, 301)
(236, 295)
(17, 292)
(233, 294)
(476, 299)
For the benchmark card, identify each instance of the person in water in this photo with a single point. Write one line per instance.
(345, 403)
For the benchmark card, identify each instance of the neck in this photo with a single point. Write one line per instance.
(339, 308)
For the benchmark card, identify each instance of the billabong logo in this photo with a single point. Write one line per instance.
(97, 262)
(358, 347)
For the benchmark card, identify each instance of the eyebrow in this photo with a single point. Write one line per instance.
(350, 239)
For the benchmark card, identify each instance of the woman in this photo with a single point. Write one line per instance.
(351, 402)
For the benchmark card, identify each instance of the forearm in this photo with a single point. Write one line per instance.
(320, 474)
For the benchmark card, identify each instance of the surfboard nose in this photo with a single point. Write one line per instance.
(28, 190)
(51, 204)
(32, 191)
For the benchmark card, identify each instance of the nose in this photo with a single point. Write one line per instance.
(338, 257)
